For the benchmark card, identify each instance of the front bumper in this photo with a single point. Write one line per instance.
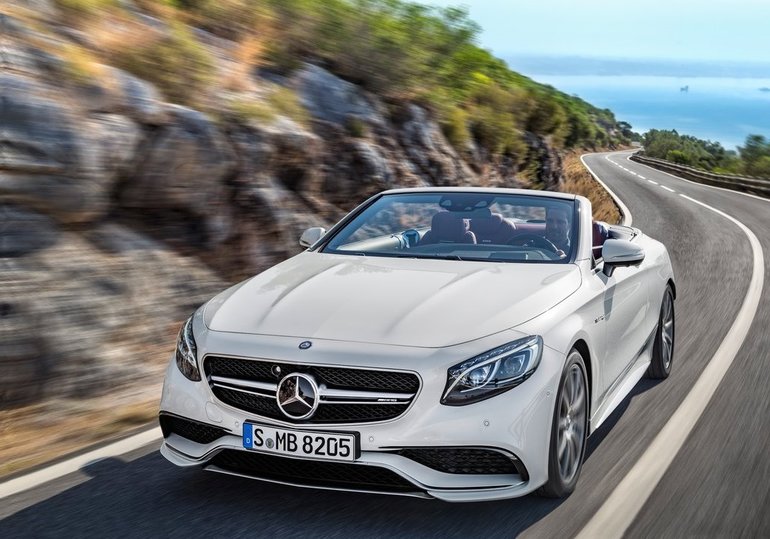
(516, 423)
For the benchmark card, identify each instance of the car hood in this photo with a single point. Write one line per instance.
(395, 301)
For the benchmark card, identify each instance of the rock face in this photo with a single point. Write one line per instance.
(54, 159)
(331, 99)
(82, 316)
(184, 166)
(122, 213)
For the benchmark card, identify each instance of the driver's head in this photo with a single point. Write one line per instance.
(557, 226)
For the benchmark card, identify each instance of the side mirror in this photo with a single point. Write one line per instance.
(618, 253)
(311, 235)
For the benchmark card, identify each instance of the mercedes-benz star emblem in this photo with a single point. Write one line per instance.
(304, 345)
(297, 395)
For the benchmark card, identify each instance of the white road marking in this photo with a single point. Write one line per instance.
(31, 480)
(623, 505)
(668, 188)
(653, 182)
(627, 218)
(642, 177)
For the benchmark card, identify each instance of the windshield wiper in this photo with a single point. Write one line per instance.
(449, 257)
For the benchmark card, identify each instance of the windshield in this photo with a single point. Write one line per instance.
(461, 226)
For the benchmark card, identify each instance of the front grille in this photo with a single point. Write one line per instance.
(250, 385)
(312, 473)
(259, 370)
(354, 413)
(465, 460)
(187, 428)
(364, 379)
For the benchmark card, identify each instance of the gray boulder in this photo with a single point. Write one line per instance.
(331, 99)
(433, 157)
(53, 159)
(184, 167)
(139, 99)
(23, 232)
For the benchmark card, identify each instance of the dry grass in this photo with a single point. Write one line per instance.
(248, 55)
(278, 102)
(117, 31)
(39, 433)
(81, 65)
(579, 181)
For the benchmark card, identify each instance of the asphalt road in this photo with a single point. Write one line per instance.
(718, 484)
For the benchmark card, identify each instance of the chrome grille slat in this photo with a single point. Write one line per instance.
(231, 388)
(346, 394)
(237, 382)
(386, 403)
(373, 396)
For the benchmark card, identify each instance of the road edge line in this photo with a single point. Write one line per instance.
(626, 501)
(627, 217)
(55, 471)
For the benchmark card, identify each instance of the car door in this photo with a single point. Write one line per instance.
(626, 312)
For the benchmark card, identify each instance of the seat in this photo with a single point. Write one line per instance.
(492, 229)
(600, 233)
(446, 227)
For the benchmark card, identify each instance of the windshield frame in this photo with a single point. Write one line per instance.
(323, 245)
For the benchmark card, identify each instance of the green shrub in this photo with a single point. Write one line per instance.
(73, 9)
(761, 167)
(355, 127)
(246, 110)
(286, 103)
(230, 19)
(454, 125)
(280, 102)
(176, 63)
(678, 156)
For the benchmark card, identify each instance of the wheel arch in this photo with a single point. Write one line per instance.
(672, 285)
(582, 346)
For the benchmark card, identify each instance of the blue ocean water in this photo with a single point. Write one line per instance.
(724, 110)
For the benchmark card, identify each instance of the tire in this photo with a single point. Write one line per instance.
(569, 430)
(663, 348)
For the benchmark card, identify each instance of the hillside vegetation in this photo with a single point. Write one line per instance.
(395, 49)
(751, 159)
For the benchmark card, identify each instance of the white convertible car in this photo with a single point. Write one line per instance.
(458, 344)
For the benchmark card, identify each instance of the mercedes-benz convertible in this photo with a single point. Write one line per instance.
(452, 343)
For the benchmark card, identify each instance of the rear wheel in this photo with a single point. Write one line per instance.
(569, 430)
(663, 349)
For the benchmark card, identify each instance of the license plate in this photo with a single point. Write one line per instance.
(298, 443)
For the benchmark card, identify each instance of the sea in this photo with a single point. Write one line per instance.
(719, 109)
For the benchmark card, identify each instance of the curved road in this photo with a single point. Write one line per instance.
(717, 485)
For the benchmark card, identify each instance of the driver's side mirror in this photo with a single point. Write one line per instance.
(311, 235)
(618, 253)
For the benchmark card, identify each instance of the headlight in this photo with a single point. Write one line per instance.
(492, 372)
(187, 353)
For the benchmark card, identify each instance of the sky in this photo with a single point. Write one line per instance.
(715, 30)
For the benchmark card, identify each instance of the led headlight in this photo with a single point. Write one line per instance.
(187, 353)
(492, 372)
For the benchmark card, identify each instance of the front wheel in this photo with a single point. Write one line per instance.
(569, 430)
(663, 348)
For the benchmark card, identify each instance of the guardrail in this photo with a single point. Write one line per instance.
(747, 184)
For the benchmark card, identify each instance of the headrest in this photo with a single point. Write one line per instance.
(446, 225)
(487, 225)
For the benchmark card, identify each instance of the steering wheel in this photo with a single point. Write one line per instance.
(411, 237)
(535, 240)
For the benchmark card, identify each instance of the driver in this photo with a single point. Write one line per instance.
(557, 229)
